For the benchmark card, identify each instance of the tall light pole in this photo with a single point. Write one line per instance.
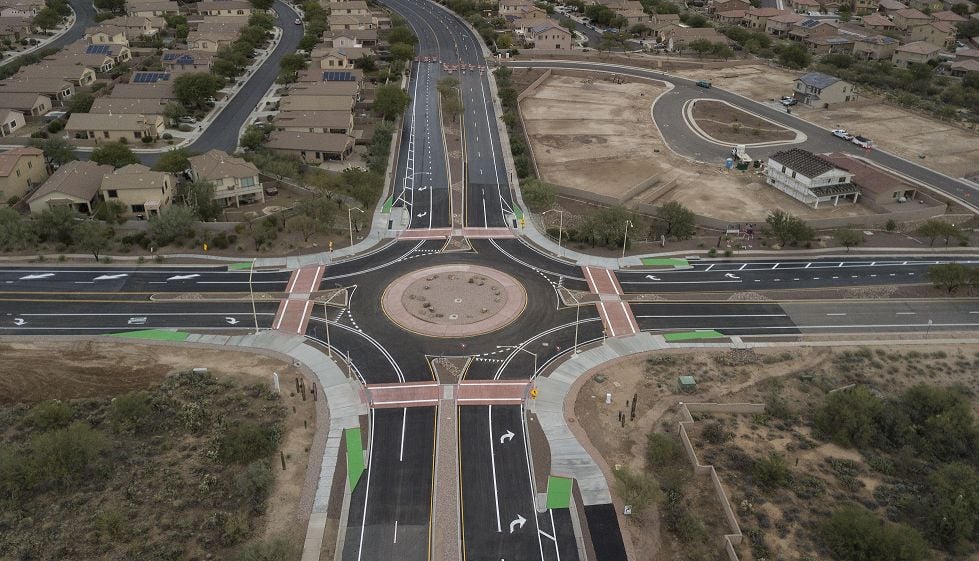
(521, 348)
(251, 293)
(350, 221)
(625, 236)
(326, 317)
(560, 227)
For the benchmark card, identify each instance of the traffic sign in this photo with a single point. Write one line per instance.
(533, 393)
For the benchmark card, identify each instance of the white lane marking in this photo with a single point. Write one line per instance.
(395, 531)
(285, 310)
(554, 529)
(836, 314)
(496, 495)
(401, 456)
(717, 316)
(367, 491)
(906, 313)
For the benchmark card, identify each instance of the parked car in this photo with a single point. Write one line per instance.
(298, 21)
(862, 141)
(841, 133)
(188, 120)
(271, 190)
(704, 83)
(789, 101)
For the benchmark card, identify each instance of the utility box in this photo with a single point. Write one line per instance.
(687, 383)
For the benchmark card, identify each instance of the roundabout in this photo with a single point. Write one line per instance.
(454, 300)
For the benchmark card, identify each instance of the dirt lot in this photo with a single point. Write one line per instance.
(32, 372)
(755, 377)
(726, 123)
(947, 149)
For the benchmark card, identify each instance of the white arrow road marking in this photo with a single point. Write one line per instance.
(652, 277)
(231, 320)
(19, 321)
(508, 435)
(40, 276)
(422, 188)
(110, 277)
(519, 521)
(732, 276)
(183, 277)
(422, 214)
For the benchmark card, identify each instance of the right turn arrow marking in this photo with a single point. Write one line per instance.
(519, 521)
(508, 435)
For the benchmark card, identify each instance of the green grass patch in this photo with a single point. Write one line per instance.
(355, 455)
(388, 203)
(691, 335)
(153, 334)
(665, 262)
(559, 492)
(239, 266)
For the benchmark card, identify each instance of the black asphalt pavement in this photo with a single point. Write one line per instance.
(390, 509)
(669, 116)
(32, 279)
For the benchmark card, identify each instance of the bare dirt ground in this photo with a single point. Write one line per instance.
(32, 372)
(945, 148)
(729, 124)
(753, 377)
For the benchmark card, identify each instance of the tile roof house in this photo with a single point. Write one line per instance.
(877, 47)
(876, 185)
(919, 52)
(888, 7)
(77, 74)
(225, 8)
(54, 88)
(124, 127)
(10, 120)
(551, 37)
(351, 8)
(235, 180)
(877, 22)
(757, 18)
(105, 34)
(960, 68)
(21, 8)
(311, 147)
(141, 191)
(20, 170)
(730, 17)
(75, 184)
(137, 27)
(909, 17)
(27, 103)
(162, 90)
(350, 89)
(15, 28)
(298, 102)
(809, 178)
(727, 5)
(115, 105)
(189, 60)
(344, 22)
(949, 16)
(940, 33)
(151, 7)
(780, 25)
(337, 122)
(822, 90)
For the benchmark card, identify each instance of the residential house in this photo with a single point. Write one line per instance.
(960, 68)
(809, 179)
(350, 38)
(15, 28)
(822, 90)
(523, 25)
(124, 127)
(20, 170)
(919, 52)
(667, 18)
(806, 6)
(948, 16)
(211, 35)
(352, 8)
(757, 18)
(926, 5)
(235, 180)
(56, 89)
(30, 104)
(75, 184)
(225, 8)
(909, 17)
(311, 147)
(727, 6)
(780, 25)
(890, 7)
(142, 193)
(878, 47)
(836, 44)
(10, 120)
(877, 22)
(863, 7)
(350, 89)
(76, 74)
(514, 8)
(191, 61)
(21, 8)
(162, 91)
(138, 27)
(966, 53)
(811, 28)
(341, 23)
(89, 53)
(106, 34)
(113, 105)
(939, 33)
(551, 37)
(729, 17)
(877, 187)
(338, 57)
(298, 102)
(152, 7)
(336, 122)
(318, 75)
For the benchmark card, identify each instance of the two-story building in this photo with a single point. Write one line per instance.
(31, 104)
(727, 6)
(311, 147)
(891, 7)
(106, 34)
(351, 22)
(174, 60)
(757, 18)
(152, 8)
(75, 185)
(780, 25)
(225, 8)
(143, 193)
(877, 47)
(877, 22)
(336, 122)
(10, 121)
(938, 33)
(21, 169)
(919, 52)
(809, 179)
(77, 74)
(349, 8)
(822, 90)
(909, 17)
(551, 36)
(21, 8)
(235, 181)
(103, 127)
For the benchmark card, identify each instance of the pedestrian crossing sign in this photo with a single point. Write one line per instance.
(533, 393)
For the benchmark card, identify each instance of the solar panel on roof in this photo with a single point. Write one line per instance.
(97, 50)
(167, 57)
(334, 76)
(150, 77)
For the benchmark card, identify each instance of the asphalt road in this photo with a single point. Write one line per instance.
(390, 509)
(668, 114)
(39, 279)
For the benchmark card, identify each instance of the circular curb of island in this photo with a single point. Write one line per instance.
(461, 291)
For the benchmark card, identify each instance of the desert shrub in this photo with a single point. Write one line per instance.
(236, 528)
(715, 434)
(53, 414)
(246, 442)
(639, 490)
(772, 472)
(110, 525)
(684, 524)
(855, 534)
(131, 412)
(65, 457)
(255, 481)
(275, 550)
(662, 450)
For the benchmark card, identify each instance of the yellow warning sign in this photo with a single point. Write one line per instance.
(533, 393)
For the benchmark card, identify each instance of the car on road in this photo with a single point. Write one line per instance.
(841, 133)
(187, 120)
(298, 21)
(862, 142)
(704, 83)
(788, 101)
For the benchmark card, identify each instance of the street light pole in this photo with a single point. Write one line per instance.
(625, 236)
(560, 228)
(577, 315)
(326, 316)
(251, 294)
(350, 221)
